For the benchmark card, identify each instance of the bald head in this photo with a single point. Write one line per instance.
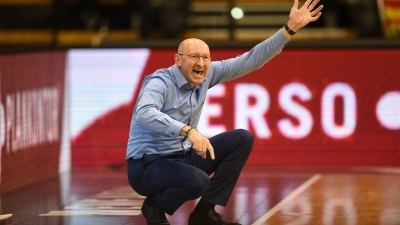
(191, 44)
(193, 60)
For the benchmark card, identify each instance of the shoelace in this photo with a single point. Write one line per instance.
(160, 215)
(220, 216)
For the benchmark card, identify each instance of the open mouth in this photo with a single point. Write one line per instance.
(198, 73)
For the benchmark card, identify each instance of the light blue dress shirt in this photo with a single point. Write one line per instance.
(167, 102)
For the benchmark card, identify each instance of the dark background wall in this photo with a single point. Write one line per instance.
(44, 24)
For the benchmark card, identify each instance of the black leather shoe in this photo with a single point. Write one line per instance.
(210, 218)
(153, 214)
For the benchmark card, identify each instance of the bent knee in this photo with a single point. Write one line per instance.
(246, 136)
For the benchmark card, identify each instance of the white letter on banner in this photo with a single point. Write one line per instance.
(212, 110)
(246, 113)
(286, 127)
(329, 126)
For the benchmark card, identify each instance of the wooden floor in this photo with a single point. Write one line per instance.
(262, 196)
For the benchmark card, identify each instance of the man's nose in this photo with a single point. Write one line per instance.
(200, 61)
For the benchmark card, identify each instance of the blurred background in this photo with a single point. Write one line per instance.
(160, 23)
(70, 71)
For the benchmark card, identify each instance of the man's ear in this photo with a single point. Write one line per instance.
(177, 60)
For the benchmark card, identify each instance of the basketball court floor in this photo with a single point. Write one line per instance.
(263, 195)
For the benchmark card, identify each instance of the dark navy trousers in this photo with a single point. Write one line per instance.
(173, 180)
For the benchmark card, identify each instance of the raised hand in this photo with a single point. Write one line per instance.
(299, 18)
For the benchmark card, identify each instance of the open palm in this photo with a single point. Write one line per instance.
(300, 17)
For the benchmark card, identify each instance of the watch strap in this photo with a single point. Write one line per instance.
(290, 31)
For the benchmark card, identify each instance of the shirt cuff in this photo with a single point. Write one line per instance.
(175, 128)
(281, 38)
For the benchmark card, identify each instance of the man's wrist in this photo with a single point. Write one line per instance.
(292, 25)
(189, 131)
(289, 30)
(184, 130)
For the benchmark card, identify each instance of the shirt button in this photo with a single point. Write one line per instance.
(194, 105)
(173, 133)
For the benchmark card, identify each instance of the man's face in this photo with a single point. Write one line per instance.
(195, 71)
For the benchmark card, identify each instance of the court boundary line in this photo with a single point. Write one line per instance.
(287, 199)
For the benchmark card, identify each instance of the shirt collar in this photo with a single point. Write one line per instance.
(180, 79)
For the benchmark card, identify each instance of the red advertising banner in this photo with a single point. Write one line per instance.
(31, 103)
(305, 108)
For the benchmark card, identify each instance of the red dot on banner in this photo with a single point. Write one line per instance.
(388, 110)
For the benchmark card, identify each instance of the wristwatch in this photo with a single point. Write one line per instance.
(290, 31)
